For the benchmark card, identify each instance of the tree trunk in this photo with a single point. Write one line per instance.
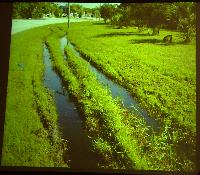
(140, 28)
(187, 39)
(155, 31)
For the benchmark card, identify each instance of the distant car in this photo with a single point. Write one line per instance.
(64, 15)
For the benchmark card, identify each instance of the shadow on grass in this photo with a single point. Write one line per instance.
(155, 41)
(114, 34)
(98, 23)
(102, 24)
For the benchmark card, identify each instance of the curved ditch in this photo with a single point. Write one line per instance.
(116, 90)
(129, 103)
(79, 155)
(70, 121)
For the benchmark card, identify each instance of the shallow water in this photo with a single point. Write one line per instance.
(70, 121)
(184, 149)
(117, 91)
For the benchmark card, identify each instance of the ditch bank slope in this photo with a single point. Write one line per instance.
(31, 134)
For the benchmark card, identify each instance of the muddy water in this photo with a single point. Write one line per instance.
(79, 154)
(117, 91)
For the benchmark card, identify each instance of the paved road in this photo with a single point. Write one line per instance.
(19, 25)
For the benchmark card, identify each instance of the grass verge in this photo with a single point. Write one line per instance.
(118, 136)
(162, 77)
(31, 133)
(139, 56)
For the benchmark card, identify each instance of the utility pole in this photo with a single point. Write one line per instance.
(68, 13)
(99, 12)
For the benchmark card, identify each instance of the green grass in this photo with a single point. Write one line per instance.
(161, 77)
(31, 134)
(119, 137)
(96, 103)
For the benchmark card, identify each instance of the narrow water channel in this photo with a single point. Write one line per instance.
(129, 103)
(79, 154)
(117, 91)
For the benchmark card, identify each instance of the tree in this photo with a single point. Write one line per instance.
(120, 15)
(17, 8)
(56, 10)
(106, 11)
(171, 16)
(76, 9)
(87, 11)
(23, 10)
(150, 14)
(96, 12)
(181, 16)
(30, 10)
(40, 9)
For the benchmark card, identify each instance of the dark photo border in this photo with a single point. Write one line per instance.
(5, 40)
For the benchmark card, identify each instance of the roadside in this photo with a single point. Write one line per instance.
(19, 25)
(31, 135)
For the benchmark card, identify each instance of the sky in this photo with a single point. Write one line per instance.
(89, 5)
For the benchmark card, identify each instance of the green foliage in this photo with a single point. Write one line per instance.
(31, 135)
(95, 101)
(106, 11)
(102, 146)
(181, 16)
(76, 8)
(96, 13)
(187, 20)
(35, 10)
(56, 10)
(30, 10)
(149, 71)
(22, 10)
(177, 15)
(121, 138)
(140, 14)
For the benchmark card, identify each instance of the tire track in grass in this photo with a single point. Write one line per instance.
(153, 161)
(69, 121)
(97, 99)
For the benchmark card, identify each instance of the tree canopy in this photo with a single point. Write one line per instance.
(35, 10)
(179, 16)
(176, 16)
(107, 11)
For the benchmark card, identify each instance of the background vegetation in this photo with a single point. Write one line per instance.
(177, 16)
(40, 9)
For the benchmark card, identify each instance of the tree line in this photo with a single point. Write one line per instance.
(37, 10)
(180, 16)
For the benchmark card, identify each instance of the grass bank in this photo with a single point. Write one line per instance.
(93, 100)
(31, 136)
(31, 133)
(119, 137)
(162, 77)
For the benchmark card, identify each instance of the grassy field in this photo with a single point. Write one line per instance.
(103, 116)
(109, 124)
(162, 78)
(31, 134)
